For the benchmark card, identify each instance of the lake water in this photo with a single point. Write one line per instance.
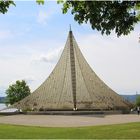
(2, 106)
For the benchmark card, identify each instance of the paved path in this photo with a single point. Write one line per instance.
(68, 121)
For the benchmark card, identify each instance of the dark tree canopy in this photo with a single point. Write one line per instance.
(138, 101)
(104, 16)
(4, 5)
(17, 91)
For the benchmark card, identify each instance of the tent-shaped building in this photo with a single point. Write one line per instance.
(72, 85)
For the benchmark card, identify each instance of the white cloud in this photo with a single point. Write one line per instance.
(51, 57)
(46, 13)
(13, 34)
(29, 79)
(42, 17)
(4, 34)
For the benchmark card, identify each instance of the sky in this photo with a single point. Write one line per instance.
(33, 36)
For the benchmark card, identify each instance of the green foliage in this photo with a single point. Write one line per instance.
(4, 5)
(138, 101)
(121, 131)
(17, 91)
(40, 2)
(105, 16)
(60, 1)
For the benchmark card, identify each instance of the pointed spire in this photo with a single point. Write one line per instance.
(70, 27)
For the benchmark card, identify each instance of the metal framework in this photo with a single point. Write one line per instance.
(72, 85)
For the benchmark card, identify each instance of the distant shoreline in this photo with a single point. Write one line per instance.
(2, 99)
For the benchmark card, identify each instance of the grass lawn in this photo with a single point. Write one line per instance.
(120, 131)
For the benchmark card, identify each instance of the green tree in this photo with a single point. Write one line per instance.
(4, 5)
(138, 101)
(17, 91)
(104, 16)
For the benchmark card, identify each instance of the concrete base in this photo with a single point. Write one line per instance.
(67, 112)
(73, 112)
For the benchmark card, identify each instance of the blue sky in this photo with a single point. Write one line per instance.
(33, 36)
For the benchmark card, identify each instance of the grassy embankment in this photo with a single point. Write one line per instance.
(120, 131)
